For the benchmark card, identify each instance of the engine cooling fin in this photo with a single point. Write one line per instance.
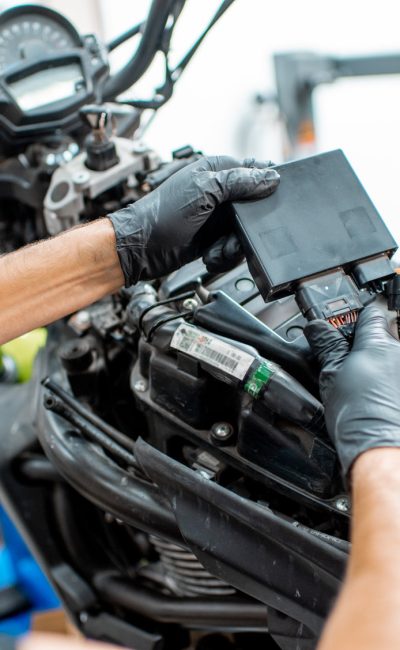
(186, 576)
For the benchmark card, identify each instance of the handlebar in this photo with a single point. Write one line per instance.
(150, 43)
(156, 36)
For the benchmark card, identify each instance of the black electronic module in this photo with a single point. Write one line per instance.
(320, 219)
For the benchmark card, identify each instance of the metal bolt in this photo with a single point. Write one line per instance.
(81, 321)
(343, 504)
(51, 159)
(204, 474)
(147, 288)
(139, 147)
(73, 148)
(80, 179)
(221, 432)
(190, 304)
(82, 317)
(140, 386)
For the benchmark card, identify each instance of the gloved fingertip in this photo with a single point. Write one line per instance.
(268, 173)
(273, 176)
(223, 255)
(371, 312)
(243, 183)
(232, 249)
(252, 163)
(269, 178)
(372, 325)
(325, 341)
(313, 330)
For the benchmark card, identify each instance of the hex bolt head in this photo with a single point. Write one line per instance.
(80, 179)
(343, 504)
(221, 433)
(83, 317)
(139, 147)
(140, 386)
(190, 304)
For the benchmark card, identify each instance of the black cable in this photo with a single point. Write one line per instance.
(164, 321)
(160, 303)
(164, 92)
(100, 480)
(188, 56)
(130, 33)
(202, 612)
(56, 405)
(150, 43)
(76, 406)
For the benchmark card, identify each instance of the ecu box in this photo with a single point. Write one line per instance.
(320, 218)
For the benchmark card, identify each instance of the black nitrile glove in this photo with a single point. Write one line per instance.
(186, 218)
(360, 388)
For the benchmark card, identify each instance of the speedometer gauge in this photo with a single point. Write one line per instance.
(47, 73)
(28, 33)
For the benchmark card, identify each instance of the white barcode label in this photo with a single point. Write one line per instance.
(212, 350)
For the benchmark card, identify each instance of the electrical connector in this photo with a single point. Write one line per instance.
(333, 297)
(373, 273)
(393, 297)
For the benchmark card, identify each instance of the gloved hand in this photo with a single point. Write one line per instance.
(186, 218)
(360, 388)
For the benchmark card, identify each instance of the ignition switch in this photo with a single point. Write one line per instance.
(101, 151)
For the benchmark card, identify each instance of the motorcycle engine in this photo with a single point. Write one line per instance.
(171, 503)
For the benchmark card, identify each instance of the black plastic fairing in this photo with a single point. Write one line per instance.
(247, 545)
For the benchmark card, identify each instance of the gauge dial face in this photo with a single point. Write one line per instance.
(25, 37)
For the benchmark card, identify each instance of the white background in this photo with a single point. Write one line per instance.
(213, 106)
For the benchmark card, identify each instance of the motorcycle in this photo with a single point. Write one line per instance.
(170, 504)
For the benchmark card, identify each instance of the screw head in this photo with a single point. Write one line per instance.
(139, 147)
(80, 179)
(343, 504)
(51, 159)
(83, 317)
(190, 304)
(140, 386)
(221, 433)
(83, 617)
(80, 321)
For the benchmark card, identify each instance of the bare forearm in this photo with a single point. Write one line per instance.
(366, 614)
(50, 279)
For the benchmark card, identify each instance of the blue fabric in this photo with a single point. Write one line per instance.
(17, 567)
(7, 643)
